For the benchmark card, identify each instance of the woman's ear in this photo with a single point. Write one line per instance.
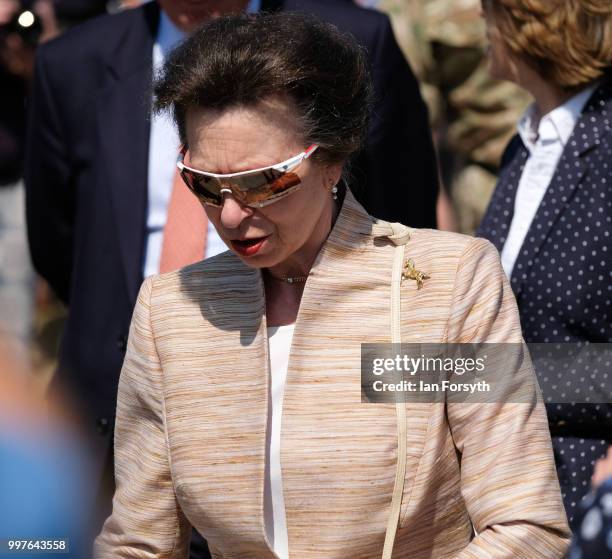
(334, 174)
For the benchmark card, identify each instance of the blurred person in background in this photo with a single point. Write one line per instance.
(23, 24)
(29, 312)
(105, 205)
(551, 213)
(473, 116)
(45, 489)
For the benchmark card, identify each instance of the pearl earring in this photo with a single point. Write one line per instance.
(334, 192)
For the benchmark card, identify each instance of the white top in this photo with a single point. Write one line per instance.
(163, 150)
(279, 340)
(545, 144)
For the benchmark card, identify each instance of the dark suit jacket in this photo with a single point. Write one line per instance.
(562, 278)
(86, 173)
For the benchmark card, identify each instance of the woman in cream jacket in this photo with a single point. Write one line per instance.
(261, 442)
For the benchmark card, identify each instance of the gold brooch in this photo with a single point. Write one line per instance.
(410, 272)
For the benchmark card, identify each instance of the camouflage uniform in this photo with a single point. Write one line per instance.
(473, 116)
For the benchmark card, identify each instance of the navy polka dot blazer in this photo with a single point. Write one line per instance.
(562, 278)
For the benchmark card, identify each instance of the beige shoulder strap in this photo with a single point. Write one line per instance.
(399, 235)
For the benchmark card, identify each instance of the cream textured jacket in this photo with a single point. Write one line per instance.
(190, 435)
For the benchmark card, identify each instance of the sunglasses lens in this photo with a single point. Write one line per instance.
(266, 186)
(252, 189)
(284, 183)
(205, 188)
(260, 180)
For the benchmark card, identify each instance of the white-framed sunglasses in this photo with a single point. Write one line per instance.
(256, 188)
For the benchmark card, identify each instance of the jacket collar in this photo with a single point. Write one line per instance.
(496, 222)
(352, 229)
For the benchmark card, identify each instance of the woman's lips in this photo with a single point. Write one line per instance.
(248, 247)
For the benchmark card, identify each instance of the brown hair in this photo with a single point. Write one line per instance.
(568, 42)
(243, 59)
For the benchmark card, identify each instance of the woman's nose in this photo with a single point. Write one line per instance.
(233, 212)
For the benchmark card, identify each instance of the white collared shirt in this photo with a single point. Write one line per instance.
(163, 150)
(545, 144)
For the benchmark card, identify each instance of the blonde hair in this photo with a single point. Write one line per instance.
(568, 42)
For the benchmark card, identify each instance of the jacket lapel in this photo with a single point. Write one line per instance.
(591, 126)
(496, 222)
(123, 110)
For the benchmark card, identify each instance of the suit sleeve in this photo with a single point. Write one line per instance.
(146, 521)
(396, 175)
(508, 477)
(50, 196)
